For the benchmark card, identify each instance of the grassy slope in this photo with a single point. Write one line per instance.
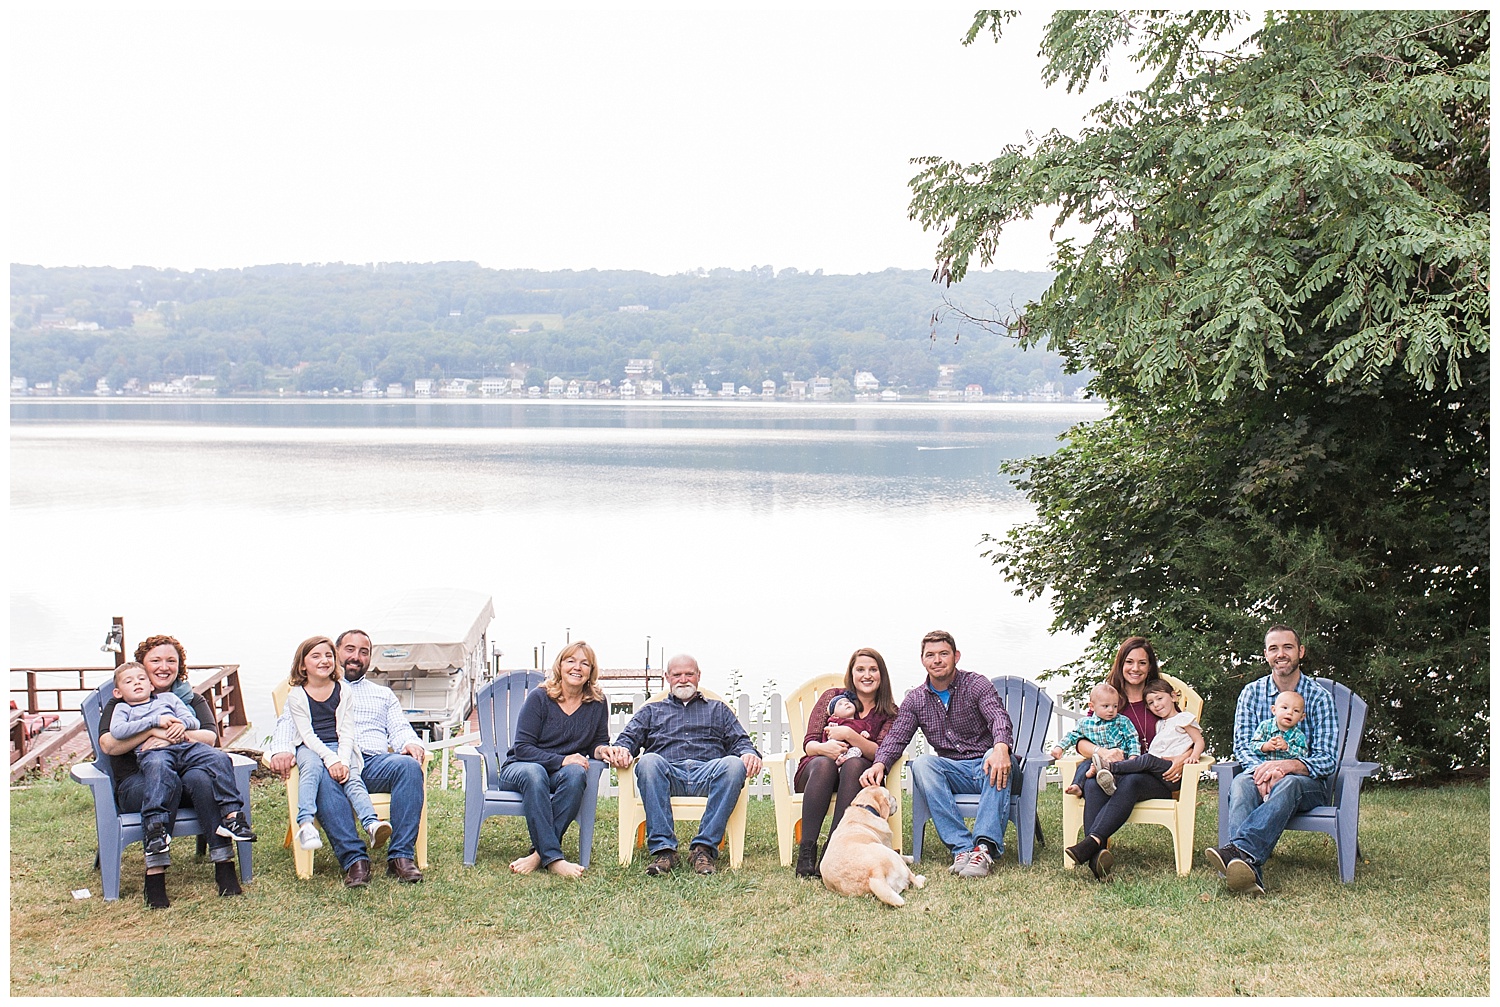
(1415, 922)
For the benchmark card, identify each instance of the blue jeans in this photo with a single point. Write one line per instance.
(310, 771)
(164, 769)
(384, 773)
(940, 779)
(551, 801)
(130, 797)
(1256, 824)
(658, 781)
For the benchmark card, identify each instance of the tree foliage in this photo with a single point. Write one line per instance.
(1285, 295)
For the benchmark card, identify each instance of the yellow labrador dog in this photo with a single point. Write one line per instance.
(859, 859)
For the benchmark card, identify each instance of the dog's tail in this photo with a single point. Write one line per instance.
(885, 893)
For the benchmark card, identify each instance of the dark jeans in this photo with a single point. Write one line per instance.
(551, 800)
(164, 767)
(131, 792)
(1103, 814)
(1143, 763)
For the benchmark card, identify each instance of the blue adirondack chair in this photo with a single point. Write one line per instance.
(1341, 818)
(118, 829)
(1030, 710)
(499, 706)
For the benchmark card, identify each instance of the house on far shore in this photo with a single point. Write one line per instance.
(395, 390)
(555, 387)
(369, 389)
(768, 389)
(974, 393)
(491, 388)
(422, 388)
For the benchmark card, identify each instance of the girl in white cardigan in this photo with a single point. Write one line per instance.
(325, 733)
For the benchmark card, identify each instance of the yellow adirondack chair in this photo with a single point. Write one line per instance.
(1177, 815)
(684, 809)
(782, 765)
(303, 859)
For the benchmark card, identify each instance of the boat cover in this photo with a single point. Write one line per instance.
(429, 629)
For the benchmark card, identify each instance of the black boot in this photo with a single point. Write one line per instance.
(227, 878)
(807, 859)
(156, 891)
(1084, 851)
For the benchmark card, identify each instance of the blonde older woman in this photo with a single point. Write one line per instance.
(564, 721)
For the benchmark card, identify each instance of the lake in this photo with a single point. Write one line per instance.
(768, 539)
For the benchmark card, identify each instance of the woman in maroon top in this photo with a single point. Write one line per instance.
(1135, 665)
(820, 775)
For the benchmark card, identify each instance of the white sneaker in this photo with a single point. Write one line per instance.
(307, 837)
(978, 864)
(960, 861)
(379, 833)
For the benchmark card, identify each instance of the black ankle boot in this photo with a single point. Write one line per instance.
(807, 859)
(1084, 851)
(156, 891)
(227, 878)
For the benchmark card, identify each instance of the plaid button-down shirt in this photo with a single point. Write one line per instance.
(701, 729)
(1117, 732)
(973, 722)
(1321, 724)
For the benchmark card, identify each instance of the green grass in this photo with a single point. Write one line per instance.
(1414, 922)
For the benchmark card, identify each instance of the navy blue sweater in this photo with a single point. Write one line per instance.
(546, 735)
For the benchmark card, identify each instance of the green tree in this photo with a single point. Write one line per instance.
(1286, 298)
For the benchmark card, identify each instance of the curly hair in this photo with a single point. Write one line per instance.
(149, 644)
(552, 684)
(299, 660)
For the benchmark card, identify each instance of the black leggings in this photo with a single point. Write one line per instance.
(1103, 814)
(822, 780)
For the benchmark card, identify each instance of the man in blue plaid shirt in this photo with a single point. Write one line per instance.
(1296, 785)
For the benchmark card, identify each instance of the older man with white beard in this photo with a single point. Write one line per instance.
(688, 746)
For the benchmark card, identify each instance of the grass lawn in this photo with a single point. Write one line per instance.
(1415, 921)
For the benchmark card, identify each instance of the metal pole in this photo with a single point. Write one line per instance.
(119, 620)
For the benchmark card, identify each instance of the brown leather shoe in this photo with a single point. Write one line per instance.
(701, 859)
(403, 868)
(358, 874)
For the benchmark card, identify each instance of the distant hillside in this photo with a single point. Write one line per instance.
(317, 327)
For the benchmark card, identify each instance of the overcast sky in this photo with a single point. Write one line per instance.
(662, 141)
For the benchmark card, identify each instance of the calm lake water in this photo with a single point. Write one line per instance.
(767, 539)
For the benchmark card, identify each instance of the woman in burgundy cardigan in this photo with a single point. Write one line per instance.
(832, 765)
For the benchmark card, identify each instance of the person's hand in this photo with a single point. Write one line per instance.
(282, 763)
(1113, 755)
(1056, 752)
(1267, 773)
(574, 759)
(832, 749)
(615, 755)
(417, 752)
(339, 772)
(874, 776)
(153, 742)
(842, 732)
(1174, 772)
(997, 765)
(176, 730)
(1276, 744)
(752, 764)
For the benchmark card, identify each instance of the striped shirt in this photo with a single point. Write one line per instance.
(967, 727)
(1321, 724)
(379, 724)
(701, 729)
(1117, 732)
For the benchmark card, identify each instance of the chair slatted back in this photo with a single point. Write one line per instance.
(1187, 697)
(800, 706)
(92, 708)
(1351, 711)
(1030, 710)
(499, 708)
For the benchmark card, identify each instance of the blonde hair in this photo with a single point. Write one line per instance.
(129, 666)
(552, 684)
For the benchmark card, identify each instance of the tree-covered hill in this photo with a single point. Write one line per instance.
(315, 327)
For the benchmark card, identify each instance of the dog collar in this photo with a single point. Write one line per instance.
(871, 810)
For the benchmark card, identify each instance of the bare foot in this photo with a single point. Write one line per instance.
(527, 864)
(565, 868)
(1073, 789)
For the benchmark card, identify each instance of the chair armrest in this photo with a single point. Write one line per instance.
(472, 759)
(1358, 769)
(1226, 771)
(1191, 773)
(97, 780)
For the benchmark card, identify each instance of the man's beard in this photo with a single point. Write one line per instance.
(354, 671)
(684, 692)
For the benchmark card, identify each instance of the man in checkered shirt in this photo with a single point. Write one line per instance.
(969, 734)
